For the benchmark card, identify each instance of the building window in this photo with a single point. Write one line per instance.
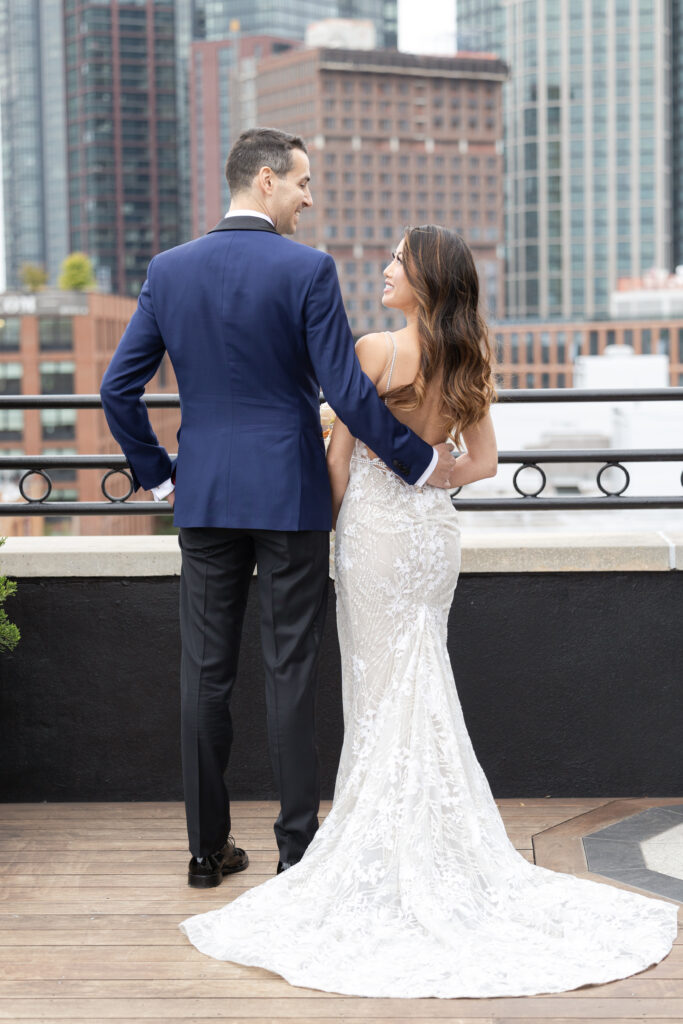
(55, 333)
(67, 475)
(11, 424)
(58, 424)
(10, 334)
(57, 378)
(10, 378)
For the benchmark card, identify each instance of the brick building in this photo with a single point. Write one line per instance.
(61, 343)
(394, 139)
(534, 354)
(222, 95)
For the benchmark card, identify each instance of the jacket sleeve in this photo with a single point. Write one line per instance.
(348, 390)
(133, 364)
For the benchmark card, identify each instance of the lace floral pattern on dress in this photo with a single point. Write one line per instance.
(411, 887)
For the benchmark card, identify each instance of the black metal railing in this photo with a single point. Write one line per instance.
(606, 459)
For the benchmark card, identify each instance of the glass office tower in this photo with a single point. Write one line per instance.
(289, 18)
(122, 135)
(33, 136)
(588, 142)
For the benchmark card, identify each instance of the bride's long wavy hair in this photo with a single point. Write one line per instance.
(453, 335)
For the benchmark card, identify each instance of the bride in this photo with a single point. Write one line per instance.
(411, 887)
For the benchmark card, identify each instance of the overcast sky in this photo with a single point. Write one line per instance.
(426, 26)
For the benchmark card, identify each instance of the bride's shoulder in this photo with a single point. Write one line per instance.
(371, 350)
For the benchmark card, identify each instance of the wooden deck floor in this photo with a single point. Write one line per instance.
(91, 895)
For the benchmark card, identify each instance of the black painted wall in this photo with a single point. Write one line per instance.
(570, 684)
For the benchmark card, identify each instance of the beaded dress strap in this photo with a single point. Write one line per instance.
(393, 360)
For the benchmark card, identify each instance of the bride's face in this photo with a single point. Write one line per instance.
(398, 292)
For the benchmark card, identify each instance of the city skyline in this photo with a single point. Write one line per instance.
(426, 27)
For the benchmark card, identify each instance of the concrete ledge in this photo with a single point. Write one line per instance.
(537, 550)
(484, 551)
(90, 556)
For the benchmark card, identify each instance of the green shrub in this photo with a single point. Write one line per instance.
(9, 634)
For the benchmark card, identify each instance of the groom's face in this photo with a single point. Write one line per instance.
(291, 194)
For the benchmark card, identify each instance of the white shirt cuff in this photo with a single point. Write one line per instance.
(429, 470)
(163, 489)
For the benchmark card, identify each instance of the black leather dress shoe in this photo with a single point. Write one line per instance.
(208, 871)
(282, 867)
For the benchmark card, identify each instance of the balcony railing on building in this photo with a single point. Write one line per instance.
(37, 474)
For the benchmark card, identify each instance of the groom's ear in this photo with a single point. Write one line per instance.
(266, 180)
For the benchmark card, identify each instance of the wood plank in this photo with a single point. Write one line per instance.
(133, 964)
(74, 937)
(536, 1008)
(274, 987)
(348, 1016)
(270, 987)
(60, 961)
(262, 809)
(119, 861)
(141, 951)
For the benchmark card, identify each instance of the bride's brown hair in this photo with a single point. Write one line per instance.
(453, 335)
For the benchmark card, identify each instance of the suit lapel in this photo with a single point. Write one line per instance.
(243, 224)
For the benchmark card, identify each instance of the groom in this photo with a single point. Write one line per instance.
(254, 325)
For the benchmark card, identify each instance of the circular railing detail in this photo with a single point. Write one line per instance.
(45, 477)
(603, 469)
(529, 494)
(111, 497)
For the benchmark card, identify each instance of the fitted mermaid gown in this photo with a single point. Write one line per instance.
(411, 887)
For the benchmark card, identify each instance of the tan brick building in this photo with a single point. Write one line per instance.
(541, 355)
(61, 343)
(394, 139)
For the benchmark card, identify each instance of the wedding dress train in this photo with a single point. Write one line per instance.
(411, 886)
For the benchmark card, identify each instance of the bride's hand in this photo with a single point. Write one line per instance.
(442, 475)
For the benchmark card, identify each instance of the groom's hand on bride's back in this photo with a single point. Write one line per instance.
(443, 471)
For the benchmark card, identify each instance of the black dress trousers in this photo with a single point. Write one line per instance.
(217, 569)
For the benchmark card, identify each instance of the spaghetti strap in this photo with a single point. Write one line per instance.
(393, 360)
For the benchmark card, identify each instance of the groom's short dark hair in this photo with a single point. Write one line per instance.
(257, 148)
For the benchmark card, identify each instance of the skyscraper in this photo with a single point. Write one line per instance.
(588, 136)
(34, 135)
(290, 18)
(121, 114)
(480, 25)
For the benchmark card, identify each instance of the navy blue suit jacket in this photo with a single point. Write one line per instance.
(254, 325)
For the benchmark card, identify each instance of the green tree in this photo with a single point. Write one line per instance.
(77, 273)
(9, 634)
(33, 276)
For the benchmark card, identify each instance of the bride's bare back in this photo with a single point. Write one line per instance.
(376, 355)
(401, 368)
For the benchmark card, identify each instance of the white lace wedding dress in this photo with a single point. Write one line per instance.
(411, 886)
